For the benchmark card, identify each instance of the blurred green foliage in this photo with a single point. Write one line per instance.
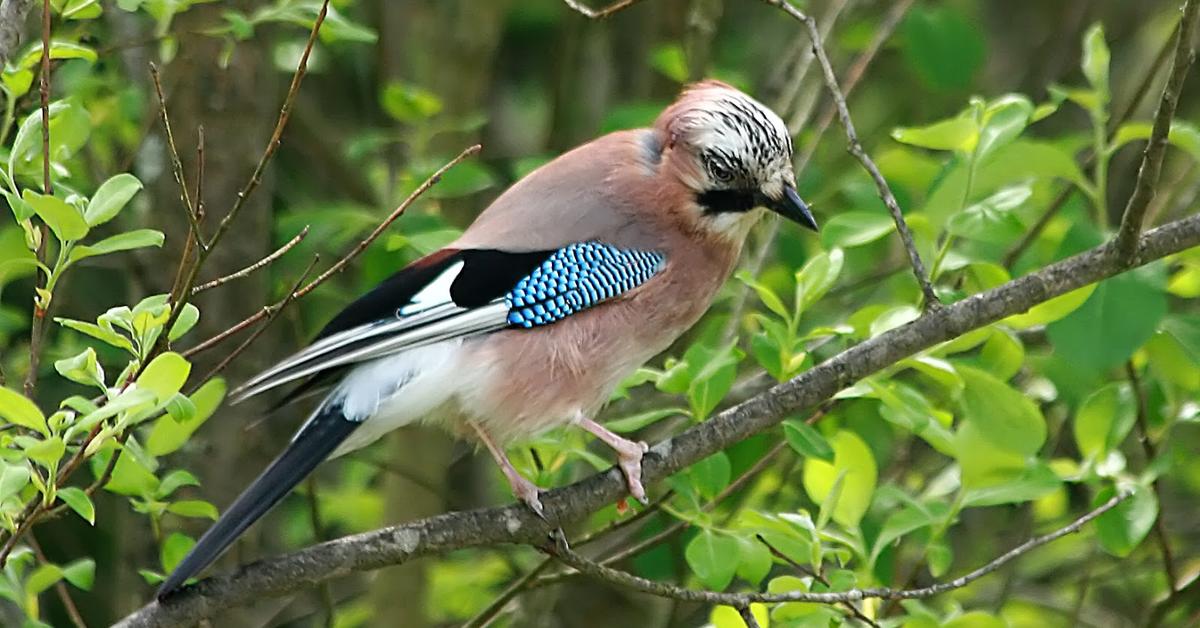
(986, 120)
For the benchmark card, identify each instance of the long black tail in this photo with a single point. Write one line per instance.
(312, 445)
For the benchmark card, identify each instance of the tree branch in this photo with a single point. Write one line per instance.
(516, 524)
(245, 272)
(560, 550)
(1152, 157)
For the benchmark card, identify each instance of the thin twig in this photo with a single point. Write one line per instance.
(245, 272)
(1152, 157)
(931, 301)
(255, 179)
(60, 588)
(314, 517)
(563, 553)
(599, 14)
(819, 575)
(748, 616)
(485, 616)
(37, 325)
(1151, 453)
(340, 264)
(185, 196)
(270, 312)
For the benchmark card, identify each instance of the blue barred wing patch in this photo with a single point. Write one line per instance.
(577, 277)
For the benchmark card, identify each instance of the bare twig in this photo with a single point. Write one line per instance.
(931, 301)
(269, 312)
(562, 552)
(1152, 157)
(252, 184)
(1151, 453)
(245, 272)
(341, 264)
(485, 616)
(599, 14)
(60, 588)
(820, 576)
(194, 233)
(37, 325)
(748, 616)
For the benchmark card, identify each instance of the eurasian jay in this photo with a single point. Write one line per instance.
(574, 277)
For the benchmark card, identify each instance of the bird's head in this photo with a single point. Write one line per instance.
(733, 153)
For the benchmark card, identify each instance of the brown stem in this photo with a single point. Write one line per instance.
(37, 325)
(1152, 157)
(60, 588)
(245, 272)
(1151, 453)
(599, 14)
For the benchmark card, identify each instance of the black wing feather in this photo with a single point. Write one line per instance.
(311, 446)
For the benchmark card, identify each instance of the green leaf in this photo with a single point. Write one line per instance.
(409, 103)
(174, 549)
(976, 619)
(755, 560)
(81, 573)
(16, 408)
(1002, 355)
(165, 375)
(638, 421)
(713, 558)
(712, 374)
(899, 523)
(46, 452)
(1052, 310)
(942, 46)
(463, 179)
(710, 475)
(817, 276)
(107, 336)
(1035, 482)
(670, 61)
(169, 435)
(957, 134)
(854, 464)
(730, 617)
(1182, 135)
(174, 481)
(58, 50)
(64, 220)
(855, 228)
(1104, 419)
(188, 317)
(765, 294)
(79, 502)
(1123, 528)
(992, 219)
(1120, 316)
(13, 479)
(1096, 58)
(194, 508)
(806, 440)
(43, 578)
(1004, 416)
(82, 369)
(127, 241)
(111, 198)
(1004, 119)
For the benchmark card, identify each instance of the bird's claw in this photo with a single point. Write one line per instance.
(529, 494)
(630, 460)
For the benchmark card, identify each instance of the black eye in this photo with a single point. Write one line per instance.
(720, 173)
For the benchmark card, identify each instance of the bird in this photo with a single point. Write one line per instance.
(571, 279)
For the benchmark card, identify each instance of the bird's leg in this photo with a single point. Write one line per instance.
(522, 488)
(629, 456)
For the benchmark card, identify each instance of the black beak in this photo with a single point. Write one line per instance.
(792, 207)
